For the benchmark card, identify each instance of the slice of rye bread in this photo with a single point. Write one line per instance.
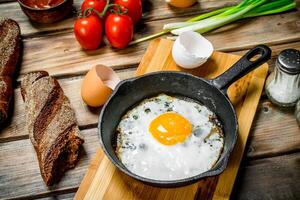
(6, 92)
(52, 125)
(10, 40)
(9, 55)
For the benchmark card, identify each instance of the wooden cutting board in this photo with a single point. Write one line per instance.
(104, 181)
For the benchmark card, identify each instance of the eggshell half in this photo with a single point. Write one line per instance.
(98, 85)
(191, 50)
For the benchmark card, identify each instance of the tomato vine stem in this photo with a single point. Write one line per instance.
(87, 12)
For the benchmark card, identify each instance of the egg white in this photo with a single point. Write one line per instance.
(143, 155)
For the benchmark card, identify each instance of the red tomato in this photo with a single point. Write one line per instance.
(98, 5)
(134, 8)
(88, 32)
(118, 30)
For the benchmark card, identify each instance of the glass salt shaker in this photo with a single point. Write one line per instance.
(283, 85)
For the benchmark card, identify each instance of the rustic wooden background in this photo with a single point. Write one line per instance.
(271, 166)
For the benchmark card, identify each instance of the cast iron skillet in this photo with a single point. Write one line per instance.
(212, 93)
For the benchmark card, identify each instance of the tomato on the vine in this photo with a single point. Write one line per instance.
(118, 30)
(88, 32)
(98, 5)
(134, 8)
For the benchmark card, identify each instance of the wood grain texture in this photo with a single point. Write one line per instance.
(64, 56)
(14, 178)
(15, 128)
(89, 117)
(269, 121)
(68, 196)
(254, 178)
(245, 95)
(272, 178)
(276, 49)
(86, 116)
(263, 142)
(20, 175)
(90, 174)
(245, 117)
(153, 10)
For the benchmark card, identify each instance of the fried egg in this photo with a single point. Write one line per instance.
(169, 138)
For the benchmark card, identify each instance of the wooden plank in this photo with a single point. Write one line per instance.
(93, 144)
(271, 178)
(245, 117)
(279, 126)
(266, 141)
(12, 10)
(61, 55)
(15, 178)
(90, 174)
(276, 49)
(20, 175)
(16, 130)
(153, 10)
(67, 196)
(266, 138)
(86, 116)
(104, 184)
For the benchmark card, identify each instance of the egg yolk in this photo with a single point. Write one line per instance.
(170, 128)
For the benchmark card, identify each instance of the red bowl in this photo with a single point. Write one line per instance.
(48, 14)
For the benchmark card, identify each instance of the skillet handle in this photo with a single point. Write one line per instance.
(242, 67)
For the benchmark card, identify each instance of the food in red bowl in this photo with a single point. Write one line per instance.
(46, 11)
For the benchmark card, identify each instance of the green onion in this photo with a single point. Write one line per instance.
(218, 18)
(209, 14)
(272, 7)
(149, 37)
(164, 32)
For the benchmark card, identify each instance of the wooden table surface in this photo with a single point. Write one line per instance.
(271, 165)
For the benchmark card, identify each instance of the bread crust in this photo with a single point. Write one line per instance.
(9, 56)
(52, 126)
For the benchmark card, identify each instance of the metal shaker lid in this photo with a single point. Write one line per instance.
(289, 61)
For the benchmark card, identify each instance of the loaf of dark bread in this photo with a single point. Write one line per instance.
(9, 55)
(6, 91)
(52, 126)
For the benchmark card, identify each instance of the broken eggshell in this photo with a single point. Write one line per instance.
(98, 84)
(191, 50)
